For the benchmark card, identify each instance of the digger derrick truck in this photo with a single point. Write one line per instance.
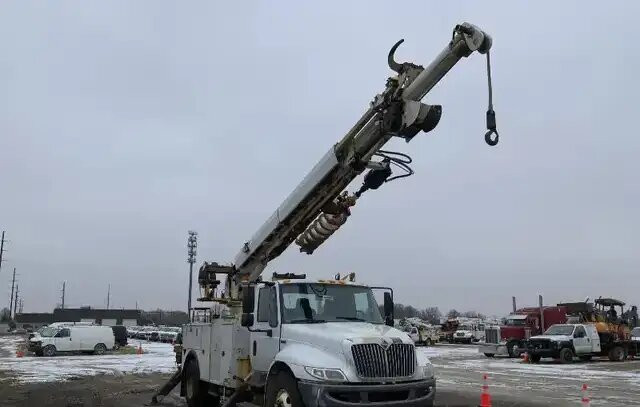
(293, 341)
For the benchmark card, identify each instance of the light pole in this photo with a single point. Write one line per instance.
(192, 246)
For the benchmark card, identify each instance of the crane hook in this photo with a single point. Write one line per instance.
(390, 59)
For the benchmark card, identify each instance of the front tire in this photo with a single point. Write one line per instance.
(534, 358)
(49, 351)
(566, 355)
(513, 349)
(282, 391)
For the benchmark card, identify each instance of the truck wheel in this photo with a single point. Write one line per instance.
(616, 354)
(513, 349)
(566, 355)
(99, 349)
(194, 394)
(49, 350)
(489, 355)
(428, 342)
(534, 358)
(282, 391)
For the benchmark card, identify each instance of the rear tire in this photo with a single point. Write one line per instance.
(428, 342)
(99, 349)
(282, 391)
(566, 355)
(534, 358)
(193, 393)
(616, 354)
(49, 351)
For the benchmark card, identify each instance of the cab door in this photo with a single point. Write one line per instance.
(63, 340)
(581, 341)
(265, 332)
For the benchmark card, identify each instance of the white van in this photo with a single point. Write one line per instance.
(83, 338)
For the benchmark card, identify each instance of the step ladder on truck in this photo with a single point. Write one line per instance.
(293, 341)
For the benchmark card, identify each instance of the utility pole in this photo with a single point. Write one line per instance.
(15, 303)
(21, 305)
(64, 286)
(108, 296)
(192, 246)
(13, 286)
(2, 250)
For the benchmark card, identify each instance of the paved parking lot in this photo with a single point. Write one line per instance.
(130, 380)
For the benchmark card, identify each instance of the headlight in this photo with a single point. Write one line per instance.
(427, 371)
(326, 374)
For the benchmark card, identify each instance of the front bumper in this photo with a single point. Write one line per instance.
(544, 353)
(499, 349)
(414, 394)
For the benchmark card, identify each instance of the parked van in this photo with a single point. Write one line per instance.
(83, 338)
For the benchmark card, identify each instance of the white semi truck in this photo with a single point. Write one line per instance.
(291, 341)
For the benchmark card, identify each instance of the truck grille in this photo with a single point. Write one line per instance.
(372, 361)
(539, 344)
(492, 335)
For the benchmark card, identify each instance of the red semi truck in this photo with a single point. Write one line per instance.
(510, 339)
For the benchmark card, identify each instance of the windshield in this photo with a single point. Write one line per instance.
(516, 322)
(635, 331)
(559, 330)
(49, 332)
(305, 303)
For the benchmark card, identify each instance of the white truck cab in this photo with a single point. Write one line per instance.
(469, 331)
(317, 342)
(72, 338)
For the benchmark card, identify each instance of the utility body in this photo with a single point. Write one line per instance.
(292, 341)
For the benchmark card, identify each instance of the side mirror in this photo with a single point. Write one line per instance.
(248, 298)
(388, 309)
(246, 319)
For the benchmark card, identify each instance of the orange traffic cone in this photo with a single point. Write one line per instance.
(485, 397)
(586, 400)
(525, 357)
(139, 351)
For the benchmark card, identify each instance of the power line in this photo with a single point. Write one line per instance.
(13, 283)
(192, 250)
(15, 303)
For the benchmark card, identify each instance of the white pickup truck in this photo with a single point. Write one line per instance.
(566, 341)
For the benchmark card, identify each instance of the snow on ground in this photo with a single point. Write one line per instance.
(551, 383)
(158, 358)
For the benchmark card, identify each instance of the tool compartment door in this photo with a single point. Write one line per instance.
(592, 333)
(581, 341)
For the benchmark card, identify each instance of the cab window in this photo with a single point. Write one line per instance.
(63, 333)
(580, 332)
(267, 306)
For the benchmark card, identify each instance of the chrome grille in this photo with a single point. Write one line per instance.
(372, 361)
(492, 335)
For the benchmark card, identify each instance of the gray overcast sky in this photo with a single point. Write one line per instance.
(123, 125)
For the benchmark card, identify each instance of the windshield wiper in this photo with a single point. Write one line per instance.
(307, 321)
(353, 319)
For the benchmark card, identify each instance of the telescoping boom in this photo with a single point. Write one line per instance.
(320, 204)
